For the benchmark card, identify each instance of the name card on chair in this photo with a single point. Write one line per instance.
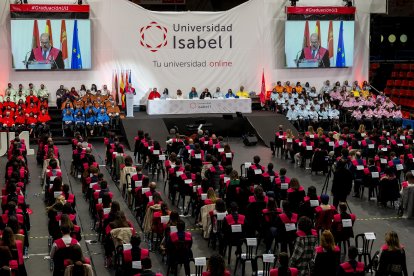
(127, 246)
(52, 178)
(360, 168)
(257, 171)
(236, 228)
(138, 183)
(371, 146)
(251, 241)
(173, 229)
(290, 227)
(268, 258)
(229, 155)
(165, 219)
(144, 190)
(106, 210)
(178, 173)
(220, 150)
(56, 194)
(384, 149)
(100, 200)
(156, 152)
(247, 165)
(308, 147)
(200, 261)
(331, 144)
(136, 265)
(284, 186)
(370, 236)
(203, 196)
(375, 174)
(347, 223)
(197, 156)
(221, 216)
(314, 203)
(188, 181)
(383, 161)
(226, 178)
(399, 167)
(161, 157)
(289, 140)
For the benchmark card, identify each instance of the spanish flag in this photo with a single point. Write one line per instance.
(318, 31)
(63, 40)
(48, 30)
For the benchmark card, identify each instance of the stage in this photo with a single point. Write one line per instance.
(261, 123)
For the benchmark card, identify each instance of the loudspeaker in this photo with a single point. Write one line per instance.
(250, 140)
(239, 115)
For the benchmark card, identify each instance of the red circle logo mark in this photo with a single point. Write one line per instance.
(153, 36)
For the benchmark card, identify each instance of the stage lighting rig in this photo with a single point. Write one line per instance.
(348, 3)
(293, 3)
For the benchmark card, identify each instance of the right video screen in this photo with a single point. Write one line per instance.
(319, 44)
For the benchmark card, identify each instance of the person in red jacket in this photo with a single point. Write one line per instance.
(20, 120)
(154, 94)
(31, 122)
(31, 98)
(352, 266)
(179, 248)
(8, 102)
(32, 108)
(44, 117)
(9, 110)
(8, 122)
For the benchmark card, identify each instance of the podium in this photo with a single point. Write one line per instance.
(308, 63)
(129, 105)
(39, 66)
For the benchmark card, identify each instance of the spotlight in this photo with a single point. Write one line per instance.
(293, 3)
(348, 3)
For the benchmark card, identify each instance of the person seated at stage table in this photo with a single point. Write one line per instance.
(218, 94)
(230, 95)
(165, 95)
(82, 90)
(179, 95)
(94, 89)
(205, 94)
(242, 93)
(154, 94)
(193, 94)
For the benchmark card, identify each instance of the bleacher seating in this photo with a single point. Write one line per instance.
(400, 86)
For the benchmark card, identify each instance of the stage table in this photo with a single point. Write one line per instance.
(187, 106)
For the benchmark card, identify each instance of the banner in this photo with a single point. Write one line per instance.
(179, 50)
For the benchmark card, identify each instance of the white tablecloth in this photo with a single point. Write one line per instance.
(186, 106)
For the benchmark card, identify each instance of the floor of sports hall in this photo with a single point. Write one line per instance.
(370, 218)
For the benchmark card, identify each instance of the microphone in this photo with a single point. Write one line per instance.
(54, 62)
(25, 61)
(297, 58)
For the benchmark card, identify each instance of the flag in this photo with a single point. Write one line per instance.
(76, 61)
(113, 82)
(318, 31)
(340, 53)
(122, 90)
(116, 88)
(35, 39)
(122, 85)
(330, 40)
(126, 80)
(48, 30)
(129, 80)
(263, 90)
(306, 42)
(63, 40)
